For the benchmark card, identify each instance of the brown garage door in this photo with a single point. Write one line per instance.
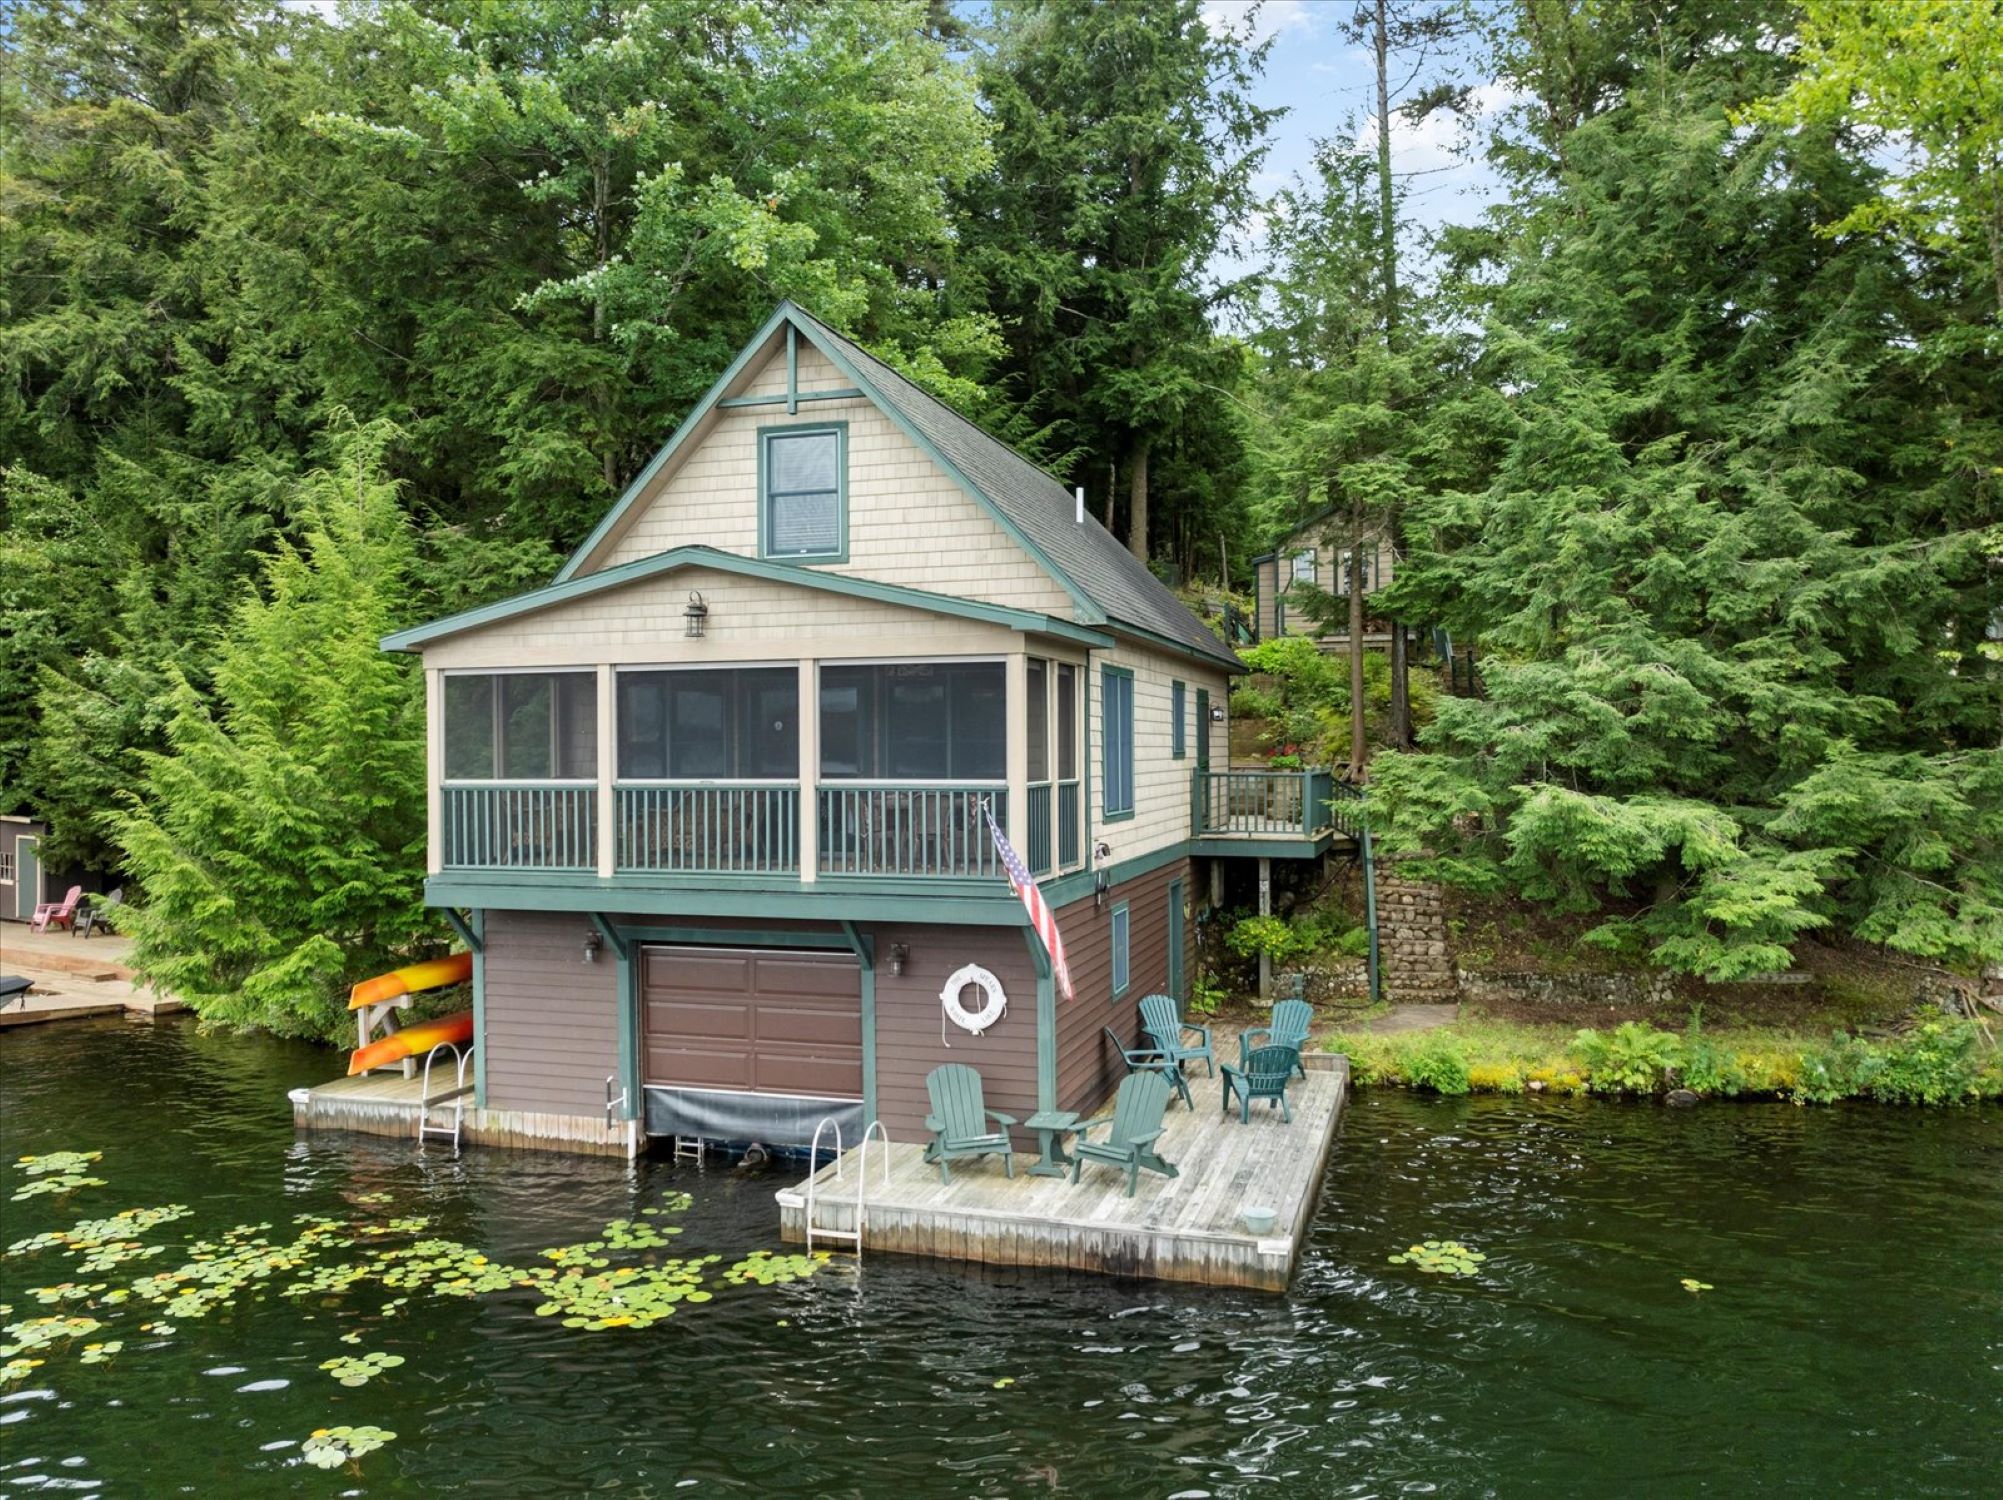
(763, 1020)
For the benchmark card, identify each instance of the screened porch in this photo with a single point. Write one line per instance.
(716, 771)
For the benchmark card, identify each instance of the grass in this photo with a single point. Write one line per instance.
(1490, 1055)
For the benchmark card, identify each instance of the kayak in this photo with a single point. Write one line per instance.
(430, 975)
(412, 1041)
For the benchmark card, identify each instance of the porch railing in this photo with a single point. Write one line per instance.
(748, 828)
(520, 825)
(1263, 803)
(1070, 849)
(1039, 828)
(876, 829)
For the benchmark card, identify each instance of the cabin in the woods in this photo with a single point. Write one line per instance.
(709, 807)
(1322, 554)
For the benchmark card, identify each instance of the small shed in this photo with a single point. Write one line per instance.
(26, 879)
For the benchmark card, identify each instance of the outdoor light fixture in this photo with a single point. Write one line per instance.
(899, 957)
(1217, 713)
(696, 613)
(1101, 883)
(592, 943)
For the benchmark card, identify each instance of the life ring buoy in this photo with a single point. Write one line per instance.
(994, 1001)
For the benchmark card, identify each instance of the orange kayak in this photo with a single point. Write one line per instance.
(412, 1041)
(432, 974)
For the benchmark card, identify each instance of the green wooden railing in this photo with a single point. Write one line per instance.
(1263, 804)
(1070, 844)
(1039, 834)
(878, 829)
(730, 828)
(520, 825)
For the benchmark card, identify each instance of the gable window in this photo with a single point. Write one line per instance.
(1304, 565)
(521, 726)
(1120, 929)
(1116, 731)
(803, 489)
(1178, 732)
(703, 723)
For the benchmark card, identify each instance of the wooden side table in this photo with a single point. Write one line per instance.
(1051, 1126)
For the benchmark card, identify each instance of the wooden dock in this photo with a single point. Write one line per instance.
(386, 1103)
(1185, 1228)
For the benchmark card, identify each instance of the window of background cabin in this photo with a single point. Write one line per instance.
(917, 721)
(725, 724)
(1304, 566)
(521, 726)
(801, 511)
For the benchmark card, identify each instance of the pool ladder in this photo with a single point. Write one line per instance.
(874, 1131)
(445, 1130)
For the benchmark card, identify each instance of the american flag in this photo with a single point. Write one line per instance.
(1041, 917)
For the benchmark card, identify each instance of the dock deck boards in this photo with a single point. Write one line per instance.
(1185, 1228)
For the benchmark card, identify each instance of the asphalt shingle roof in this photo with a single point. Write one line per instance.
(1096, 562)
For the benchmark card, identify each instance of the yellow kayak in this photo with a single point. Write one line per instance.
(432, 974)
(412, 1041)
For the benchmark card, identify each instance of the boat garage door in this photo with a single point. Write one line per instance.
(752, 1020)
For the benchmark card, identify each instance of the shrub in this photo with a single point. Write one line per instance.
(1275, 937)
(1935, 1064)
(1708, 1068)
(1437, 1063)
(1205, 995)
(1495, 1078)
(1634, 1058)
(1843, 1069)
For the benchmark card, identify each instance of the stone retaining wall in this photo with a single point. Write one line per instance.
(1413, 952)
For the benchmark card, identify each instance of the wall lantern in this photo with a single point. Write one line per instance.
(1217, 713)
(592, 943)
(696, 614)
(900, 955)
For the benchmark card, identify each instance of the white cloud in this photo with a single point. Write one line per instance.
(1438, 143)
(1252, 21)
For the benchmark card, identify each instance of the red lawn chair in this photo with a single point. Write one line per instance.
(57, 913)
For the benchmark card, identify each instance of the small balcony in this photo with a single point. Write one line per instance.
(1276, 812)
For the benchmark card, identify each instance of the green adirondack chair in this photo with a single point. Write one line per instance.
(1266, 1073)
(1133, 1128)
(1291, 1019)
(959, 1120)
(1161, 1019)
(1147, 1060)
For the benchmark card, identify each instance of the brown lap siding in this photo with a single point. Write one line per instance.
(1087, 1068)
(552, 1020)
(909, 1044)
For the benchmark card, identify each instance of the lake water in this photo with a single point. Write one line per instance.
(1852, 1337)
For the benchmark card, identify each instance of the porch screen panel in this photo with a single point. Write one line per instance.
(1039, 720)
(923, 721)
(709, 725)
(469, 728)
(521, 726)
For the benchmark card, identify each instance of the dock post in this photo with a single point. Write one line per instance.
(1265, 910)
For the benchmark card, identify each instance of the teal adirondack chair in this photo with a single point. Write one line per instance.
(1147, 1060)
(1265, 1075)
(959, 1120)
(1162, 1019)
(1133, 1128)
(1291, 1019)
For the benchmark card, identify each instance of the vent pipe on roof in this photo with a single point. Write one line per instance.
(1081, 505)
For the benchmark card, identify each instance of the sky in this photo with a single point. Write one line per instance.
(1328, 86)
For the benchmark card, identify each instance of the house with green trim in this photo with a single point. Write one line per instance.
(1321, 553)
(710, 806)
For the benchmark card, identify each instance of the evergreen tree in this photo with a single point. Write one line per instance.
(1728, 567)
(279, 838)
(1125, 144)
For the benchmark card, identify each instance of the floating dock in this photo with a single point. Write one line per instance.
(1185, 1228)
(386, 1103)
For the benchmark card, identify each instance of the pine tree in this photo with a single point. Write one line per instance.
(1125, 146)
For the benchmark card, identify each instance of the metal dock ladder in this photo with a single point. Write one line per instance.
(456, 1095)
(874, 1131)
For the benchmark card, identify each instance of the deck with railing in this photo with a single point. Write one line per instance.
(1271, 806)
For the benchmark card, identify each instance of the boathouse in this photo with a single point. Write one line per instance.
(710, 807)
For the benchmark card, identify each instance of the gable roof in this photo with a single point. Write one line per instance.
(563, 591)
(1105, 580)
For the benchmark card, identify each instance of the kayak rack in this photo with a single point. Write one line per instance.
(456, 1096)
